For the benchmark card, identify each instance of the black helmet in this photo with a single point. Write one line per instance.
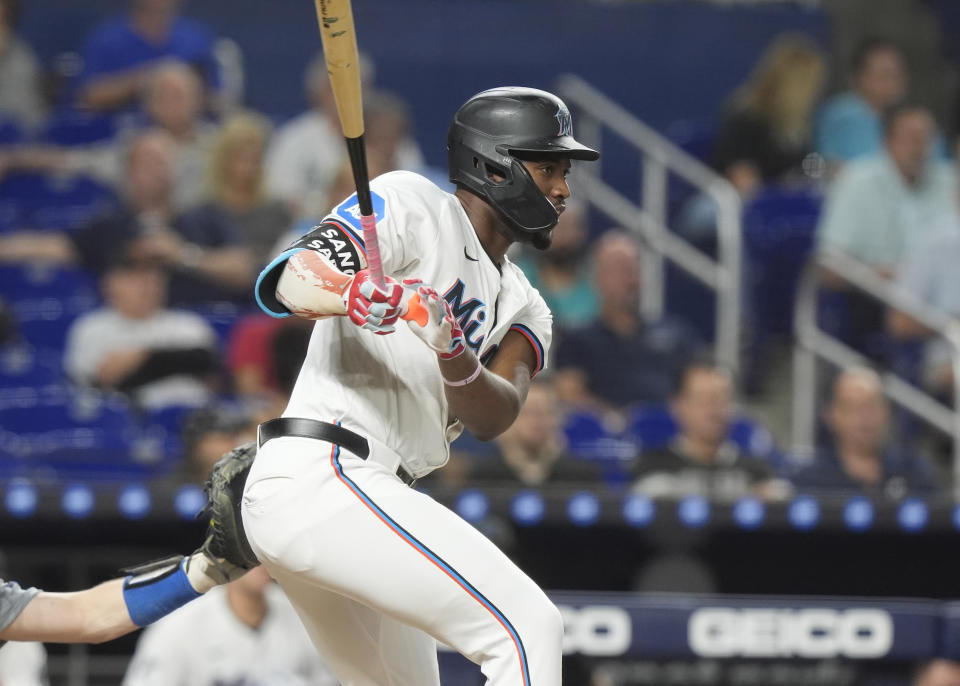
(486, 134)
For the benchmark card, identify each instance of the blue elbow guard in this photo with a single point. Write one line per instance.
(156, 589)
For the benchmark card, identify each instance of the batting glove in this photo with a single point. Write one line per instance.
(430, 317)
(372, 308)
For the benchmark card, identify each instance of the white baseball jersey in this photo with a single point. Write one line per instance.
(205, 644)
(388, 388)
(23, 664)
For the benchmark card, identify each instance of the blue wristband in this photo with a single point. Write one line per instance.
(148, 602)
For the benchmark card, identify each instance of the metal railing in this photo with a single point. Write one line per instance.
(812, 344)
(648, 219)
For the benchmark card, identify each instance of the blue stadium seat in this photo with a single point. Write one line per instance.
(77, 127)
(222, 316)
(10, 131)
(653, 427)
(31, 281)
(778, 231)
(695, 136)
(44, 322)
(69, 203)
(57, 427)
(23, 365)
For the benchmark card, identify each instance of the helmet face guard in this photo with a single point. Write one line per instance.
(484, 137)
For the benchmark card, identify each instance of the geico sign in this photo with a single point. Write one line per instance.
(595, 630)
(812, 633)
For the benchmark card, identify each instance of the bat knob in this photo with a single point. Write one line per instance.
(416, 312)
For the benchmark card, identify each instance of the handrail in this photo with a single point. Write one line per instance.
(812, 343)
(648, 218)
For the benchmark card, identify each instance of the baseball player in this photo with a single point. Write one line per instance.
(378, 571)
(245, 633)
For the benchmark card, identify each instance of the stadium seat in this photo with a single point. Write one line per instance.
(31, 281)
(779, 227)
(588, 438)
(60, 428)
(76, 127)
(10, 131)
(695, 136)
(25, 366)
(44, 322)
(653, 427)
(69, 203)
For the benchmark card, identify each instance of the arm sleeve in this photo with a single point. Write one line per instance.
(402, 228)
(13, 600)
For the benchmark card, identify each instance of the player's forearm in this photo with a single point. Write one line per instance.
(92, 616)
(111, 91)
(232, 267)
(488, 405)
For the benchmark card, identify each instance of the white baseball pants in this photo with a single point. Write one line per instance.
(379, 572)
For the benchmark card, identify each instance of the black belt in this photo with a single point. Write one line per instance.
(322, 431)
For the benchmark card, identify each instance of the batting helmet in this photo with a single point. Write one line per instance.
(486, 135)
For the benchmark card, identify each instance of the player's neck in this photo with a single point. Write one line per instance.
(486, 224)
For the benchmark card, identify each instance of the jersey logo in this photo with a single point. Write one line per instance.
(349, 209)
(465, 254)
(470, 314)
(564, 121)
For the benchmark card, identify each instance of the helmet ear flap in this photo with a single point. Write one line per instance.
(521, 203)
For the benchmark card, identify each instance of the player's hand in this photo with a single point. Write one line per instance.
(372, 308)
(439, 329)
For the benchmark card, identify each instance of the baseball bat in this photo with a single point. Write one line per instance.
(339, 37)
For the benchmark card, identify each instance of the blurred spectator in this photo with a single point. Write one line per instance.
(264, 354)
(560, 273)
(859, 422)
(701, 460)
(766, 129)
(202, 248)
(121, 55)
(246, 632)
(930, 275)
(387, 132)
(307, 152)
(939, 672)
(236, 184)
(173, 104)
(207, 434)
(618, 360)
(134, 344)
(849, 125)
(20, 97)
(766, 133)
(307, 163)
(532, 452)
(879, 208)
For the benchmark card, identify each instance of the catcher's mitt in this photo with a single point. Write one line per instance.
(225, 537)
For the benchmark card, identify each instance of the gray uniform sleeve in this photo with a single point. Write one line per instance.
(12, 601)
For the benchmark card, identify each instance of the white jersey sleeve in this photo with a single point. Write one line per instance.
(535, 322)
(405, 228)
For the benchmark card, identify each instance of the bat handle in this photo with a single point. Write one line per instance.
(374, 265)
